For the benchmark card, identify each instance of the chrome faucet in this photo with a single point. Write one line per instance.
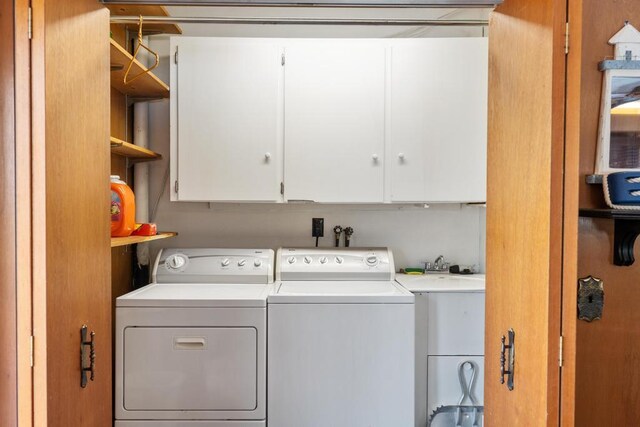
(439, 265)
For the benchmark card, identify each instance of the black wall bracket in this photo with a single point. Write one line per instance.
(625, 235)
(626, 231)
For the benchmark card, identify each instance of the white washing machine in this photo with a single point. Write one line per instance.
(191, 347)
(341, 341)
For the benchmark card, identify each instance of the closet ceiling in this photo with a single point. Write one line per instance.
(337, 31)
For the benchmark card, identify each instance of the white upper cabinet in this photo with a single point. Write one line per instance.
(437, 120)
(226, 120)
(334, 121)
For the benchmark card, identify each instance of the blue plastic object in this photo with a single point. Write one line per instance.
(624, 188)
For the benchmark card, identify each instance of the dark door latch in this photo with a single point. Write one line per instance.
(83, 356)
(507, 362)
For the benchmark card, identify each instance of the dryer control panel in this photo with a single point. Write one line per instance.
(335, 264)
(203, 265)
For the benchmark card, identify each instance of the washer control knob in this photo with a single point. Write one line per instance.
(323, 260)
(371, 260)
(291, 260)
(242, 262)
(176, 262)
(339, 260)
(225, 262)
(257, 263)
(307, 260)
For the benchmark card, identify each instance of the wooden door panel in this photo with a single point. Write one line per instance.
(607, 382)
(601, 385)
(524, 215)
(71, 205)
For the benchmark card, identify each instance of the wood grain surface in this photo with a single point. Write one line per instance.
(8, 280)
(71, 210)
(605, 379)
(524, 209)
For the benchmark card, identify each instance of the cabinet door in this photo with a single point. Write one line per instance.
(438, 120)
(227, 120)
(334, 121)
(455, 323)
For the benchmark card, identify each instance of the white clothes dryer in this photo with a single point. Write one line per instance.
(191, 346)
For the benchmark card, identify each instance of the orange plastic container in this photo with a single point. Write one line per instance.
(123, 208)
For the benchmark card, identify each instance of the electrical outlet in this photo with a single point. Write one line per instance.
(317, 227)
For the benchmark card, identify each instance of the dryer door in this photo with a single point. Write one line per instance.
(190, 369)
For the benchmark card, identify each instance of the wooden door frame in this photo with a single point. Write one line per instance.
(24, 213)
(16, 139)
(8, 266)
(571, 215)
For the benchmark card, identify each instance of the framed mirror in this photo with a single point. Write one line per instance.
(619, 131)
(619, 136)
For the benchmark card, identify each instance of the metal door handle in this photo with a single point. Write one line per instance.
(507, 363)
(83, 355)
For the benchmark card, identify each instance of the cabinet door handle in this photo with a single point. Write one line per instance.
(267, 157)
(401, 157)
(507, 363)
(84, 343)
(375, 158)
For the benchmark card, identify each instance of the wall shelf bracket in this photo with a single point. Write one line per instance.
(626, 231)
(625, 235)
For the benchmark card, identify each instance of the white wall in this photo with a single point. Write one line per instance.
(414, 233)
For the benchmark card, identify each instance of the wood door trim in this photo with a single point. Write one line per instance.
(23, 212)
(557, 236)
(39, 217)
(571, 215)
(8, 197)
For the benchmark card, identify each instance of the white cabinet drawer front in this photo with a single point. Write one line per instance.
(444, 386)
(190, 369)
(455, 323)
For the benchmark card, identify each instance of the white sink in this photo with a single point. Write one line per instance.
(442, 282)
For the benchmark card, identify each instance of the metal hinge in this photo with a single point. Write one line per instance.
(31, 351)
(30, 25)
(282, 59)
(566, 39)
(282, 188)
(175, 56)
(561, 352)
(175, 186)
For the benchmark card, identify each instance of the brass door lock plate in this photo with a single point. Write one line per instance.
(590, 298)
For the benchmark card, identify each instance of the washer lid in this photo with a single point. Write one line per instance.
(340, 292)
(196, 295)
